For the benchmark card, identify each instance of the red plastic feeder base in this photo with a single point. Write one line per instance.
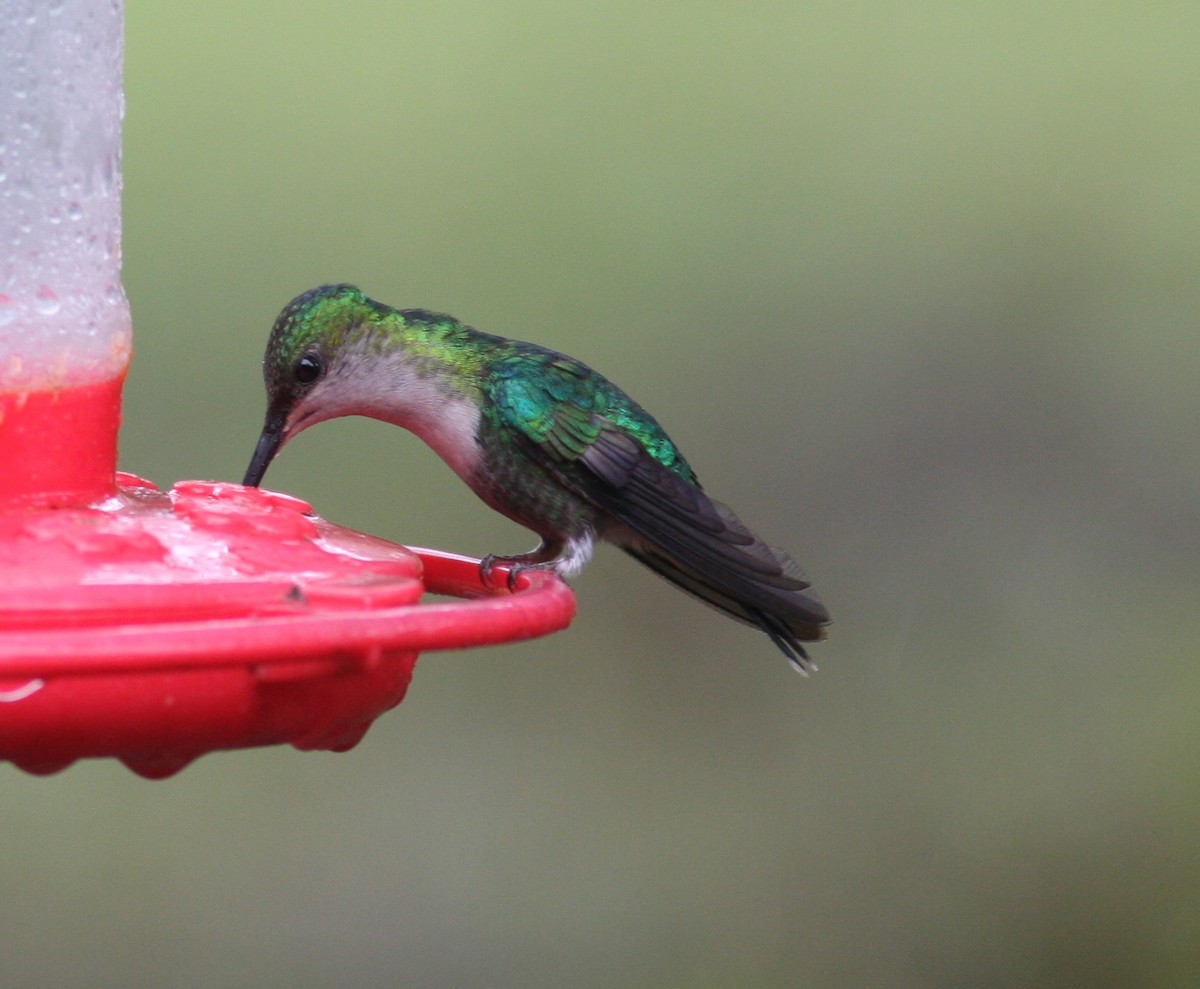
(156, 627)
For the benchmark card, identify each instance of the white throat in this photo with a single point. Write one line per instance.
(444, 418)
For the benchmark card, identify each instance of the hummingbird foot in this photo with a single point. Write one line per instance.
(546, 557)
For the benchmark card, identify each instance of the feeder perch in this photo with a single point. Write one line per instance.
(157, 626)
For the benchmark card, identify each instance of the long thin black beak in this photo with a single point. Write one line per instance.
(268, 445)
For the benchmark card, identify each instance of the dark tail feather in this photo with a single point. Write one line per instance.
(788, 615)
(663, 518)
(785, 639)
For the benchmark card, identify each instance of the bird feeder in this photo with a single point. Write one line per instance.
(157, 626)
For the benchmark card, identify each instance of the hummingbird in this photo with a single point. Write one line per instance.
(541, 438)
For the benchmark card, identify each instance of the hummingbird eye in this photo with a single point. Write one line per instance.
(308, 369)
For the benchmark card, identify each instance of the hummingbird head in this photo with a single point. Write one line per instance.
(309, 357)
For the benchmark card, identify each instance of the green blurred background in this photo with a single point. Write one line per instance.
(914, 286)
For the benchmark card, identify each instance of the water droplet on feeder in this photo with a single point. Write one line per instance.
(46, 301)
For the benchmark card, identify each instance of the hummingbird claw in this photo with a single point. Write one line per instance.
(487, 568)
(517, 565)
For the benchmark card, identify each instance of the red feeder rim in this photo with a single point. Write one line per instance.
(155, 627)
